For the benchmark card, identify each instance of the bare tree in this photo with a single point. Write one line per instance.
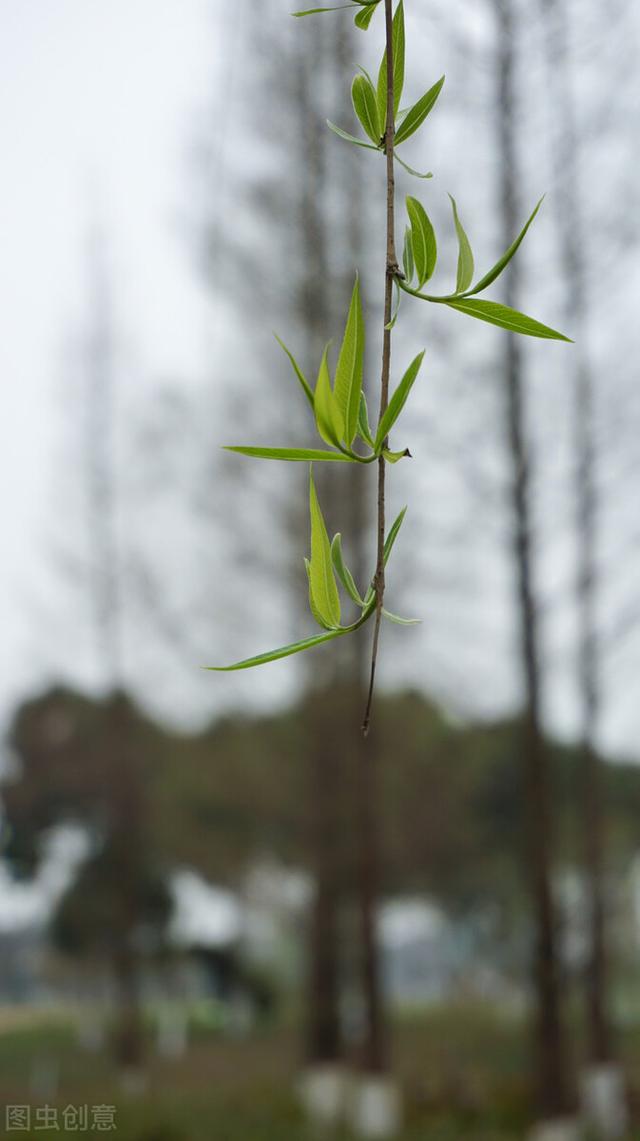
(550, 1061)
(572, 233)
(124, 841)
(607, 1109)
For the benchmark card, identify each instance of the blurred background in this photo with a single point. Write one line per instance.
(222, 913)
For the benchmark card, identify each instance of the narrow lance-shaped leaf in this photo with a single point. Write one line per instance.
(304, 383)
(343, 572)
(312, 604)
(393, 534)
(366, 74)
(398, 44)
(350, 138)
(505, 318)
(364, 427)
(323, 583)
(294, 455)
(491, 276)
(348, 378)
(409, 169)
(388, 547)
(401, 621)
(315, 11)
(465, 255)
(423, 241)
(281, 652)
(364, 18)
(329, 419)
(365, 106)
(398, 400)
(408, 263)
(417, 114)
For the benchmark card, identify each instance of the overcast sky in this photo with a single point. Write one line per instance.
(97, 104)
(99, 107)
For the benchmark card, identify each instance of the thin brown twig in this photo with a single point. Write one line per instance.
(390, 272)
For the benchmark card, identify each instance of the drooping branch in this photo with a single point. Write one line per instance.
(391, 272)
(339, 407)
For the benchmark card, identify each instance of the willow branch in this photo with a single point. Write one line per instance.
(390, 273)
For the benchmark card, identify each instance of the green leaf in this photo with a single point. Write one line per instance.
(363, 98)
(506, 318)
(343, 572)
(408, 263)
(348, 379)
(329, 419)
(350, 138)
(465, 255)
(304, 455)
(398, 47)
(282, 652)
(393, 535)
(323, 583)
(401, 621)
(365, 73)
(363, 421)
(388, 547)
(398, 401)
(409, 169)
(491, 276)
(314, 11)
(395, 457)
(417, 114)
(364, 18)
(304, 383)
(423, 241)
(312, 605)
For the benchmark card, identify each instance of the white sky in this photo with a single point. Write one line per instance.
(97, 106)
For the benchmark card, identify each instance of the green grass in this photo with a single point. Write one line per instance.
(463, 1072)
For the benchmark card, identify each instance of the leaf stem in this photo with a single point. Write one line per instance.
(391, 271)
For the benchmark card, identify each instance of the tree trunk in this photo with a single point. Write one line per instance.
(126, 845)
(124, 792)
(549, 1050)
(323, 1038)
(128, 1036)
(572, 231)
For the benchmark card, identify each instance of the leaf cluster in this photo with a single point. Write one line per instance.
(325, 569)
(338, 403)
